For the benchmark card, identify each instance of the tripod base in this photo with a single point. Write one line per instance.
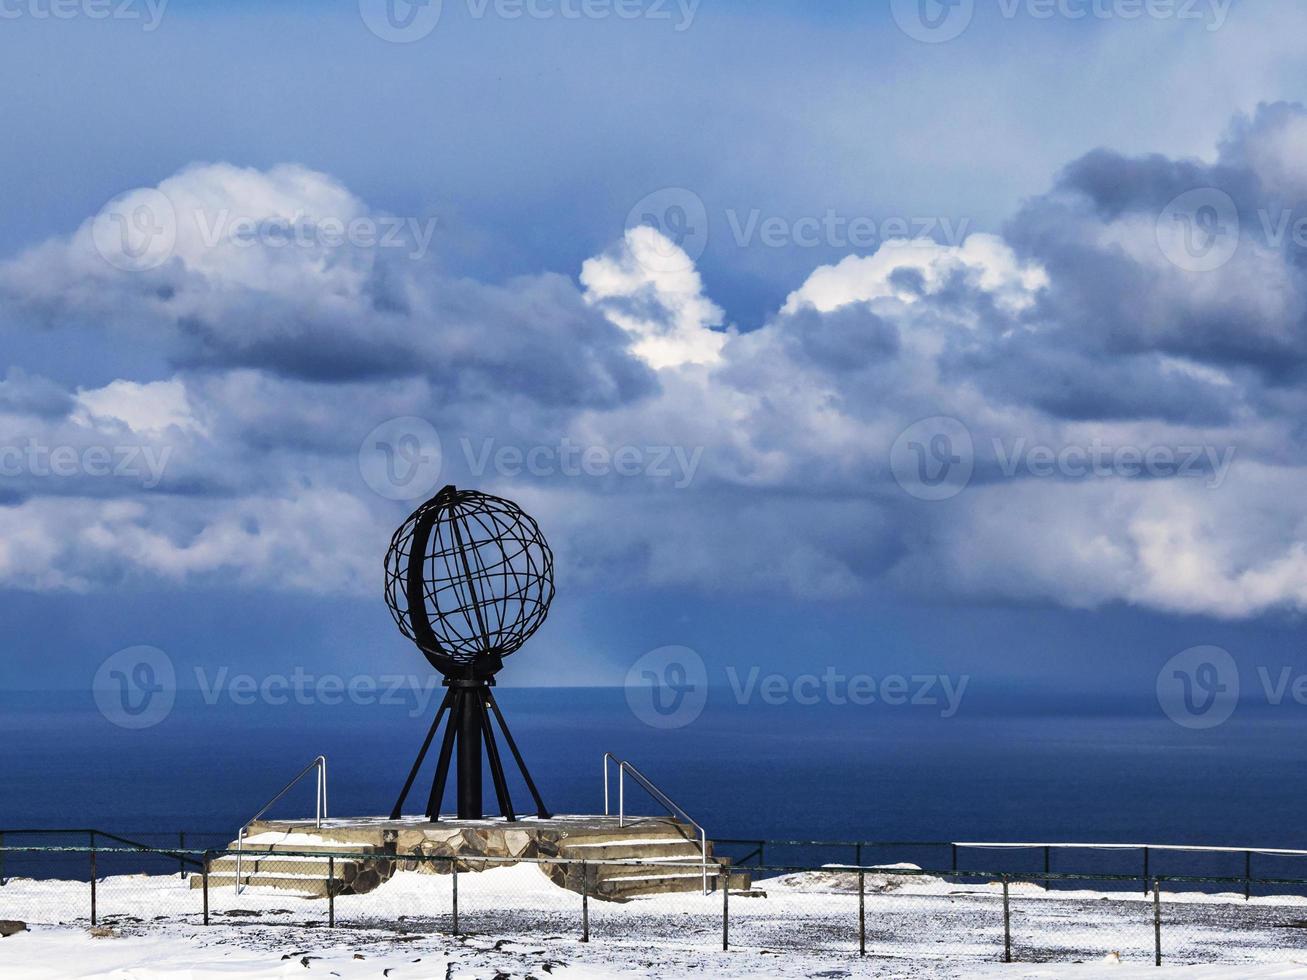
(469, 704)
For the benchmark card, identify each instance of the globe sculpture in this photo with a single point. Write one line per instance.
(469, 578)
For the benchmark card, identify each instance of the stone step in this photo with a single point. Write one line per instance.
(622, 889)
(317, 867)
(644, 829)
(653, 867)
(308, 887)
(641, 848)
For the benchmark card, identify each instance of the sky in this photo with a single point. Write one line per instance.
(889, 337)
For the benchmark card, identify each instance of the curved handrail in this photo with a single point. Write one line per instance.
(623, 767)
(320, 764)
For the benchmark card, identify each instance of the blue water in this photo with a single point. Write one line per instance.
(999, 770)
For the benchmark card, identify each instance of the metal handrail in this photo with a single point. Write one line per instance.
(320, 764)
(623, 767)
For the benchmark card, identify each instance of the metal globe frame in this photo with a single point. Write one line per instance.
(469, 578)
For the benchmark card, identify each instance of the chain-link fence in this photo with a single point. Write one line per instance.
(901, 913)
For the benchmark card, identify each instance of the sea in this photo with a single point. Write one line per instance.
(1005, 769)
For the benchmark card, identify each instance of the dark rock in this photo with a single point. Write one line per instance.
(11, 927)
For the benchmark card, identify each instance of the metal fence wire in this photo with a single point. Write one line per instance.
(899, 912)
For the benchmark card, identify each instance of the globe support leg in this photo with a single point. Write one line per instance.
(541, 810)
(496, 764)
(442, 765)
(417, 765)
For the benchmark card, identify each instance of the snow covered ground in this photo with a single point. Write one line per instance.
(517, 924)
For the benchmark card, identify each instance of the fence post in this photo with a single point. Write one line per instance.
(1048, 864)
(181, 864)
(2, 858)
(955, 857)
(93, 909)
(726, 911)
(1007, 925)
(454, 864)
(208, 859)
(862, 912)
(331, 891)
(1247, 875)
(585, 902)
(1157, 922)
(1145, 871)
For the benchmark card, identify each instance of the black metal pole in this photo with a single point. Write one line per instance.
(1007, 925)
(862, 912)
(541, 810)
(396, 813)
(585, 902)
(331, 891)
(1145, 871)
(469, 756)
(1047, 864)
(1247, 875)
(93, 910)
(1157, 923)
(442, 767)
(955, 858)
(2, 858)
(208, 859)
(454, 863)
(726, 911)
(502, 794)
(181, 864)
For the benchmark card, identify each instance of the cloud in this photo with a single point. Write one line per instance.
(1074, 335)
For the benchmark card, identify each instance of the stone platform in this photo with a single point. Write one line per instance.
(646, 842)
